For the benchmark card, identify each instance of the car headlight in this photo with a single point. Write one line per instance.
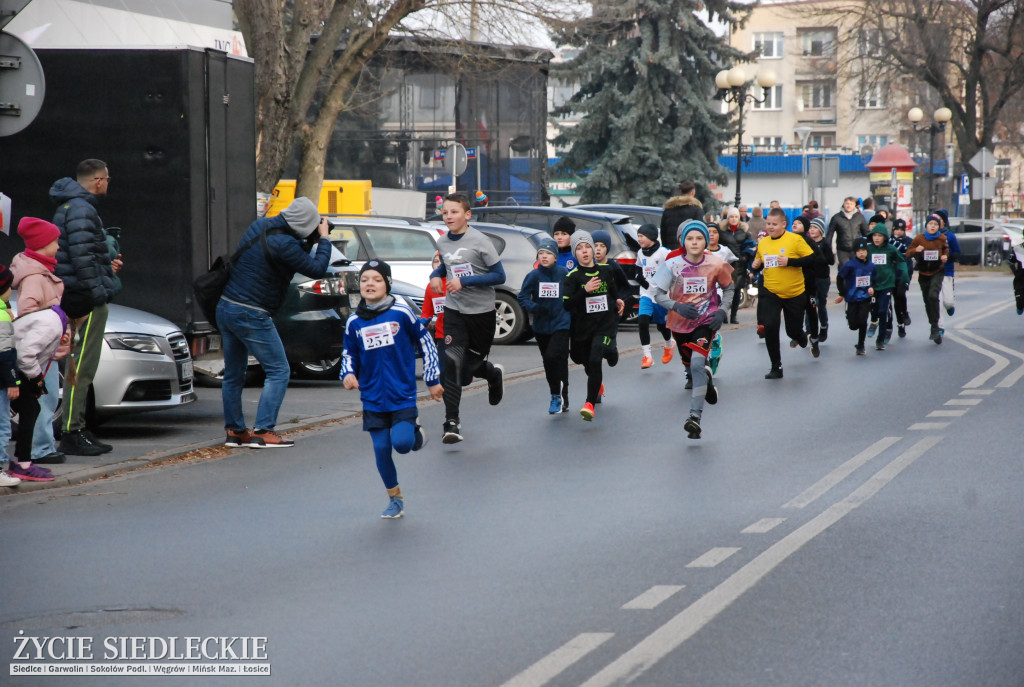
(139, 343)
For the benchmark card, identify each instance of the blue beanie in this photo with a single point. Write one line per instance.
(602, 236)
(549, 245)
(693, 225)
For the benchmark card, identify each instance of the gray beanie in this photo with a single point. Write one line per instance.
(302, 216)
(579, 237)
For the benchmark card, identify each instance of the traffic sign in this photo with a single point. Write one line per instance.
(983, 161)
(983, 188)
(965, 184)
(455, 159)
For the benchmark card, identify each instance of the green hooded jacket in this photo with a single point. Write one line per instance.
(890, 267)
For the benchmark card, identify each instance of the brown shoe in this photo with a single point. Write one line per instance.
(237, 438)
(268, 438)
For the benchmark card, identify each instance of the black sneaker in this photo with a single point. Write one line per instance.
(902, 330)
(692, 427)
(75, 444)
(936, 336)
(611, 354)
(879, 346)
(51, 458)
(815, 351)
(906, 319)
(774, 373)
(91, 438)
(496, 386)
(823, 335)
(452, 432)
(689, 382)
(711, 396)
(860, 350)
(421, 440)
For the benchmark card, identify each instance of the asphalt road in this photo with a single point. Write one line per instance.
(856, 523)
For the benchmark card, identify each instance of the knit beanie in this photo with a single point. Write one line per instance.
(481, 197)
(302, 216)
(579, 237)
(899, 224)
(37, 233)
(602, 236)
(548, 245)
(860, 244)
(693, 225)
(820, 223)
(6, 278)
(876, 219)
(565, 225)
(381, 268)
(933, 218)
(648, 230)
(945, 217)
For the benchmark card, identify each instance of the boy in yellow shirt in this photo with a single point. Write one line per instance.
(783, 255)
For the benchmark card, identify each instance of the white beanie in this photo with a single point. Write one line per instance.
(302, 216)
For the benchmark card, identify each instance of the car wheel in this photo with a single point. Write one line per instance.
(994, 257)
(318, 369)
(509, 319)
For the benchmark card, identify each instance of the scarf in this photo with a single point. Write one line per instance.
(367, 311)
(49, 262)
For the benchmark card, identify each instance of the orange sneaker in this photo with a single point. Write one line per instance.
(646, 362)
(666, 357)
(587, 411)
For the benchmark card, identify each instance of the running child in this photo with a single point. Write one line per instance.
(432, 314)
(541, 297)
(562, 232)
(930, 251)
(473, 268)
(379, 359)
(651, 256)
(592, 299)
(855, 282)
(822, 277)
(901, 241)
(890, 271)
(686, 285)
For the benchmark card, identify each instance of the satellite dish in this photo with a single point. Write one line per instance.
(22, 85)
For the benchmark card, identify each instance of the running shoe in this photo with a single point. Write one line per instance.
(901, 329)
(452, 432)
(394, 510)
(268, 438)
(872, 328)
(793, 343)
(689, 382)
(760, 331)
(420, 439)
(565, 400)
(823, 335)
(950, 310)
(666, 357)
(692, 427)
(556, 404)
(237, 438)
(496, 386)
(711, 395)
(33, 473)
(646, 362)
(860, 350)
(8, 481)
(815, 351)
(587, 411)
(879, 346)
(774, 373)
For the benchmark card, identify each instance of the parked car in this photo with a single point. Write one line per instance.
(639, 214)
(999, 237)
(144, 365)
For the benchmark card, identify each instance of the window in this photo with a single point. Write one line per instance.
(876, 140)
(400, 244)
(769, 45)
(818, 43)
(767, 142)
(347, 241)
(871, 98)
(772, 102)
(428, 98)
(817, 94)
(869, 43)
(817, 141)
(559, 93)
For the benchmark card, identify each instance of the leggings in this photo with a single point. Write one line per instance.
(590, 353)
(27, 407)
(400, 437)
(644, 327)
(554, 351)
(694, 361)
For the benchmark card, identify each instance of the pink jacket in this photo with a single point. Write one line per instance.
(38, 288)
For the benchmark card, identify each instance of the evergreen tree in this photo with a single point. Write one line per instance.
(646, 72)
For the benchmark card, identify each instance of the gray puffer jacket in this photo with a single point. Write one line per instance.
(83, 261)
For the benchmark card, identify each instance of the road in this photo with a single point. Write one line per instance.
(856, 523)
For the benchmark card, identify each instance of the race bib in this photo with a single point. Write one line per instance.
(438, 305)
(771, 261)
(878, 259)
(549, 289)
(931, 255)
(462, 270)
(377, 336)
(597, 304)
(695, 285)
(863, 281)
(649, 272)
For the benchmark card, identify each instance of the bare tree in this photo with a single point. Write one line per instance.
(309, 55)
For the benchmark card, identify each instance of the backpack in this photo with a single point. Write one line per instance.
(208, 287)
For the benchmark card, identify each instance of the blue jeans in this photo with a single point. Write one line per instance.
(42, 437)
(244, 331)
(5, 425)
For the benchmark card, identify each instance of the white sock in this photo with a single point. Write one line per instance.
(647, 351)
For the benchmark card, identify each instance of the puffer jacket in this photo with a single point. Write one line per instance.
(846, 229)
(83, 263)
(261, 284)
(677, 210)
(36, 338)
(37, 287)
(740, 242)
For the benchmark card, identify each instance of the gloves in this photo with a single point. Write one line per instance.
(687, 310)
(717, 320)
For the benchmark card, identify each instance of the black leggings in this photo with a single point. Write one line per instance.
(554, 351)
(590, 353)
(644, 327)
(773, 309)
(27, 407)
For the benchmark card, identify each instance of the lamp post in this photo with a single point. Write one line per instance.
(804, 132)
(938, 125)
(732, 88)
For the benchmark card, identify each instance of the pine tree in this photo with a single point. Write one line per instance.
(646, 71)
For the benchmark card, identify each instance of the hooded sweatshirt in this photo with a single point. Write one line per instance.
(890, 268)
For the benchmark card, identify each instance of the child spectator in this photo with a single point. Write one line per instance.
(541, 297)
(652, 255)
(930, 251)
(9, 380)
(855, 282)
(432, 315)
(592, 299)
(688, 285)
(562, 231)
(379, 359)
(890, 270)
(901, 241)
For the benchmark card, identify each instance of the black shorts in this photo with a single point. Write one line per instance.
(698, 340)
(474, 333)
(374, 420)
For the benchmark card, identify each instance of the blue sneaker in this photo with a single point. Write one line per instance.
(872, 328)
(394, 510)
(556, 404)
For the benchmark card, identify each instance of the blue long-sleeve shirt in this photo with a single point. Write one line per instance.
(541, 296)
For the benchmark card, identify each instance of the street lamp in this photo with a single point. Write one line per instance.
(938, 125)
(804, 132)
(732, 88)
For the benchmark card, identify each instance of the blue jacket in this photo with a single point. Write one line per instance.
(547, 315)
(954, 252)
(846, 280)
(256, 282)
(83, 261)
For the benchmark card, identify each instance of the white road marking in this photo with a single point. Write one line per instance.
(650, 599)
(924, 426)
(840, 473)
(976, 392)
(963, 402)
(670, 636)
(549, 667)
(948, 413)
(713, 557)
(1000, 363)
(763, 526)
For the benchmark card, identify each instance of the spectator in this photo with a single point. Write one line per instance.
(734, 235)
(677, 210)
(755, 225)
(85, 267)
(846, 226)
(744, 214)
(277, 248)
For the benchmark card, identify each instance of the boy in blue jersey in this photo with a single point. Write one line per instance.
(541, 296)
(379, 359)
(856, 283)
(562, 233)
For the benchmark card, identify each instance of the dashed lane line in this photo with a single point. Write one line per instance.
(976, 392)
(833, 478)
(948, 413)
(549, 667)
(763, 526)
(963, 402)
(926, 426)
(653, 597)
(713, 557)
